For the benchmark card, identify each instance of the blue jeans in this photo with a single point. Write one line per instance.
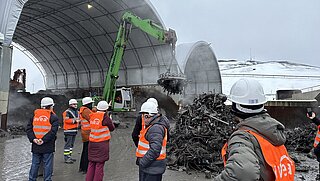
(47, 159)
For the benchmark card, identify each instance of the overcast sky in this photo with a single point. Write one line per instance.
(272, 29)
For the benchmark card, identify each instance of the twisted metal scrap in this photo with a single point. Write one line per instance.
(199, 134)
(301, 139)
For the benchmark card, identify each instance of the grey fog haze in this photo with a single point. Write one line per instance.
(272, 29)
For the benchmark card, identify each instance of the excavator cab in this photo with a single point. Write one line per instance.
(123, 100)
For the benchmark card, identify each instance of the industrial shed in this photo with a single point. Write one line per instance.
(199, 63)
(71, 42)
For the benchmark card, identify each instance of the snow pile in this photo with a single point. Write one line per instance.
(273, 75)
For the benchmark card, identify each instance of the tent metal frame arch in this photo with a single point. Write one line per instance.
(68, 32)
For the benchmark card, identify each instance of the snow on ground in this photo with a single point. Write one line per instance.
(273, 75)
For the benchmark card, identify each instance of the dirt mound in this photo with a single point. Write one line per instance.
(167, 105)
(23, 104)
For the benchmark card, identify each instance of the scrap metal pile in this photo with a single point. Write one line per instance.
(199, 134)
(204, 126)
(301, 139)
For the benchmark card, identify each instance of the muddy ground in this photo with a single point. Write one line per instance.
(15, 160)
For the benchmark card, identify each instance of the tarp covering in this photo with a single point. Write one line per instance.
(10, 11)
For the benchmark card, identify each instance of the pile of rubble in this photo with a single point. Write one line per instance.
(199, 134)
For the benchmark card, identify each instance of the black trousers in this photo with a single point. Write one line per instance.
(69, 140)
(148, 177)
(84, 162)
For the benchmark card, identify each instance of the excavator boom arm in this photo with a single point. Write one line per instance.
(128, 20)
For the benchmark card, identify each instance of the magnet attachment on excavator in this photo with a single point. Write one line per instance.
(173, 83)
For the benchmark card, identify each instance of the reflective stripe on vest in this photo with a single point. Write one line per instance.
(41, 122)
(85, 124)
(317, 138)
(143, 145)
(98, 132)
(67, 126)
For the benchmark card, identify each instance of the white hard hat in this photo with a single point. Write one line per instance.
(153, 100)
(47, 101)
(149, 107)
(73, 101)
(87, 100)
(247, 92)
(102, 105)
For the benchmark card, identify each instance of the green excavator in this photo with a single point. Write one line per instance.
(121, 98)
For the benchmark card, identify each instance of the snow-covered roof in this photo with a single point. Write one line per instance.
(272, 75)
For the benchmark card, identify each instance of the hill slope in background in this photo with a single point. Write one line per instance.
(273, 75)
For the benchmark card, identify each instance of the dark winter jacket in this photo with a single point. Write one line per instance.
(49, 139)
(137, 128)
(99, 151)
(316, 121)
(245, 160)
(155, 136)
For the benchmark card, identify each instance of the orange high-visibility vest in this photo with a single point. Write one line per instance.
(143, 145)
(276, 157)
(317, 138)
(98, 132)
(85, 124)
(41, 122)
(143, 125)
(69, 124)
(224, 153)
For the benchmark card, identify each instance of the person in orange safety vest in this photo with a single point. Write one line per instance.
(70, 125)
(41, 132)
(151, 150)
(85, 111)
(101, 125)
(140, 124)
(316, 146)
(255, 150)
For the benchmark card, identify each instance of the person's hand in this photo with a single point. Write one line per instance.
(40, 141)
(313, 115)
(78, 120)
(36, 141)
